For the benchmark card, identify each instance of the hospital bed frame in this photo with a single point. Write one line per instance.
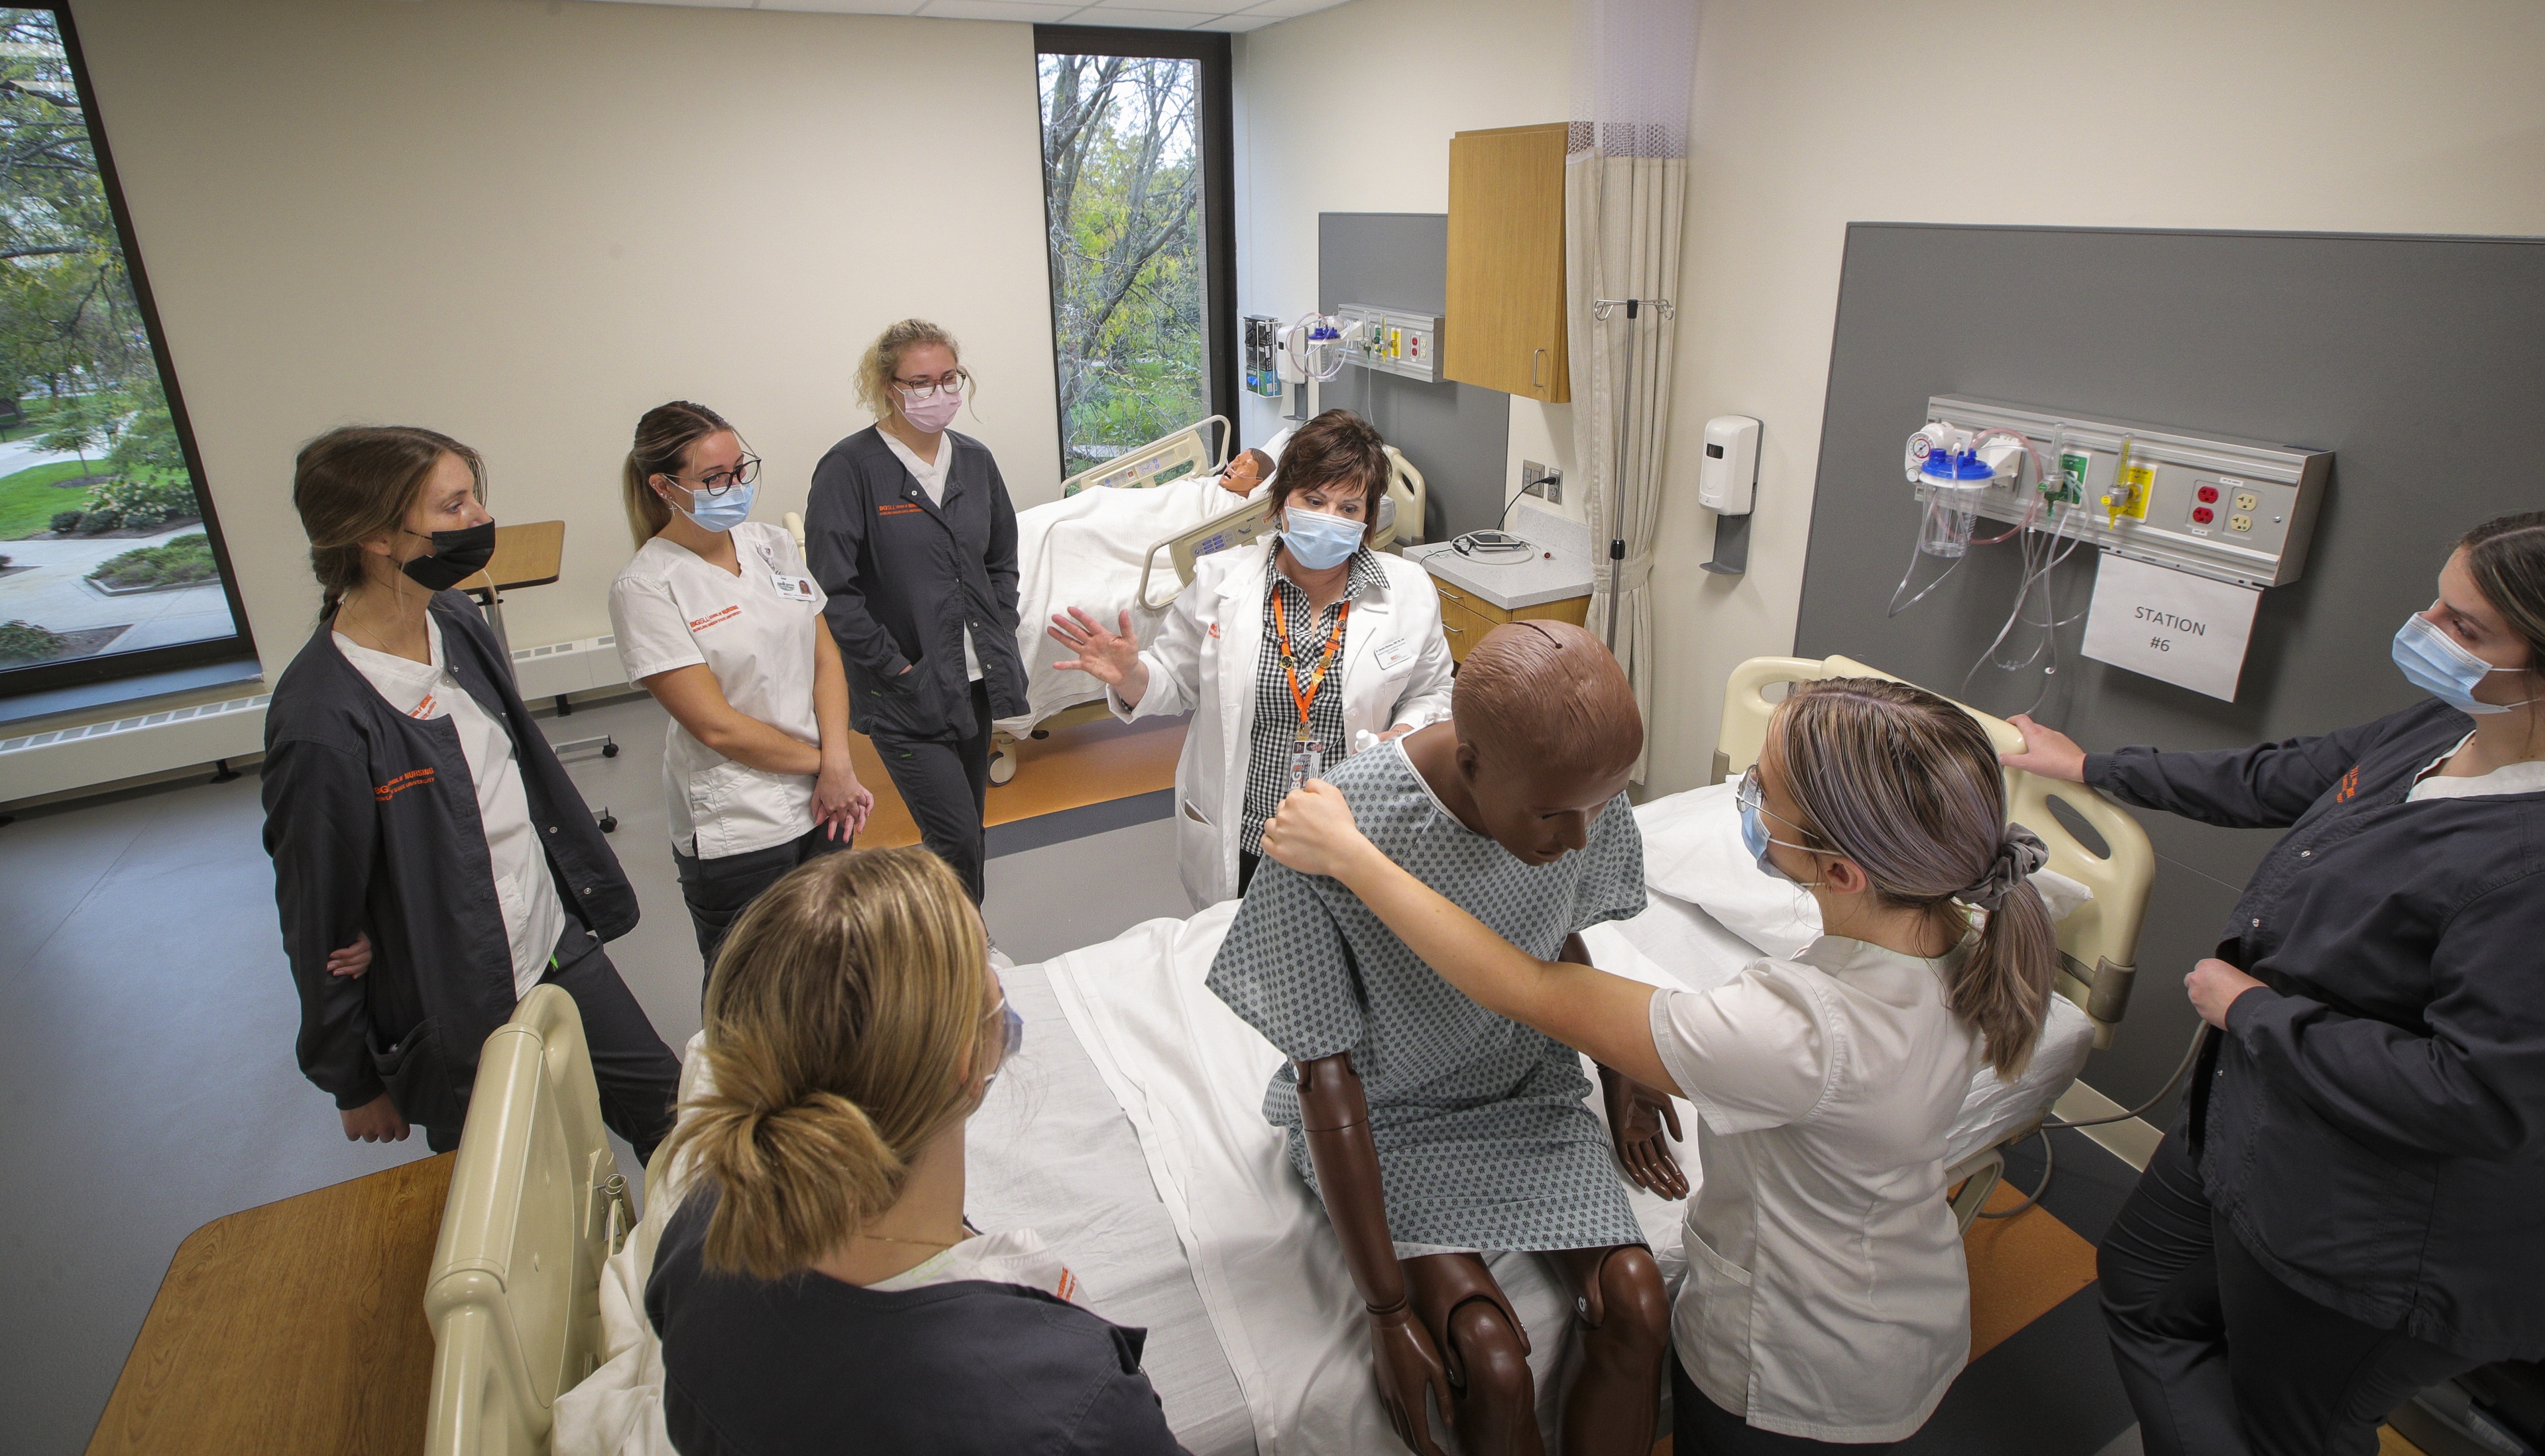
(2097, 942)
(536, 1207)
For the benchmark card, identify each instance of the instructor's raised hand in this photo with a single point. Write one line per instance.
(1111, 658)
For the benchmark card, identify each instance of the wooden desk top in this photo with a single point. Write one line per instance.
(297, 1326)
(525, 555)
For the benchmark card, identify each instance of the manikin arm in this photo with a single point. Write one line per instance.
(1336, 1119)
(1636, 1114)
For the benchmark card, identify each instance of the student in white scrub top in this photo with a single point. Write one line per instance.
(432, 862)
(1827, 1302)
(718, 618)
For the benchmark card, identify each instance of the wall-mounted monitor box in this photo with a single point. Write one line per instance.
(2233, 510)
(1407, 345)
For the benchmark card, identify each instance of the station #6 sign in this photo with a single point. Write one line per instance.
(2171, 625)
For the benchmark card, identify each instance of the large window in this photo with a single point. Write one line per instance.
(110, 563)
(1135, 167)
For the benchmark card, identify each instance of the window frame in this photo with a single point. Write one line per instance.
(21, 682)
(1210, 49)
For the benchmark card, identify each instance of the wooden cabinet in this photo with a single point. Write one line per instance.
(1505, 325)
(1466, 618)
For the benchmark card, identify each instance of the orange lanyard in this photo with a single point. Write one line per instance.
(1307, 696)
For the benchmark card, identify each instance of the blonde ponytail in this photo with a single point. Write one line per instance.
(1908, 787)
(842, 1013)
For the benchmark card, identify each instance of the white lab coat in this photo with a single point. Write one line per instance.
(1204, 662)
(1827, 1296)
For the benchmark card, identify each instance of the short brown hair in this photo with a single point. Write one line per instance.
(837, 1018)
(1337, 447)
(359, 481)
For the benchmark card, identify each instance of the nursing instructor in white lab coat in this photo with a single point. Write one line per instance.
(1284, 653)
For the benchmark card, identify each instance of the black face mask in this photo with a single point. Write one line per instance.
(456, 556)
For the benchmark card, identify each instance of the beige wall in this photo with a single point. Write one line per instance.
(524, 225)
(1811, 113)
(1350, 110)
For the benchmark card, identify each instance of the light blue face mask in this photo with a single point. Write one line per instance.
(1318, 541)
(2441, 666)
(719, 513)
(1754, 831)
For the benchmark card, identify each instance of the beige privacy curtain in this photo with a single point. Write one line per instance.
(1625, 194)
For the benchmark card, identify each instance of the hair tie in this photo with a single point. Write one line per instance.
(2019, 851)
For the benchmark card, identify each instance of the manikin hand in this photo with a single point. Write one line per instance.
(2046, 752)
(1313, 831)
(353, 960)
(1407, 1364)
(1110, 658)
(1636, 1114)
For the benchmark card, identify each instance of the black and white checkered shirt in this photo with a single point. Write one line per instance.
(1276, 712)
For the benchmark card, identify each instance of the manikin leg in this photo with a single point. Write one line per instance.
(1486, 1350)
(1624, 1315)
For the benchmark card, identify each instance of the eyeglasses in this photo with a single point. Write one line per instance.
(1752, 798)
(718, 482)
(919, 392)
(1013, 1029)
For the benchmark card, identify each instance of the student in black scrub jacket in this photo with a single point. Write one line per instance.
(819, 1290)
(2350, 1206)
(432, 861)
(910, 534)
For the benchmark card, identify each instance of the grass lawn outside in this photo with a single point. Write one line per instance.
(35, 418)
(29, 498)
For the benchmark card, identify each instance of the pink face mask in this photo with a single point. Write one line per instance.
(934, 413)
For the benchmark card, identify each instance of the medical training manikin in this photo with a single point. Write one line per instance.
(1435, 1130)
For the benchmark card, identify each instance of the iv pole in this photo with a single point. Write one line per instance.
(1599, 311)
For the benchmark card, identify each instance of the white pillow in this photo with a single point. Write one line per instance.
(1693, 851)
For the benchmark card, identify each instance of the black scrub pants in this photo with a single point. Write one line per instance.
(638, 1075)
(2218, 1355)
(945, 782)
(718, 891)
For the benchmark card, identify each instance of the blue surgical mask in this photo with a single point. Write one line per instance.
(1318, 541)
(722, 513)
(2441, 666)
(1753, 832)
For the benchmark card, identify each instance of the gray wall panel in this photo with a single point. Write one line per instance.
(2416, 361)
(1456, 435)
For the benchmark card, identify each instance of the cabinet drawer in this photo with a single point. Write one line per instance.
(1461, 628)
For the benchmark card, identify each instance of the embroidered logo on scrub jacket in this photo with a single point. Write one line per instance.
(700, 624)
(401, 784)
(898, 508)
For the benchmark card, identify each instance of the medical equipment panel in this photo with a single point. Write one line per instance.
(1393, 341)
(2238, 511)
(1260, 346)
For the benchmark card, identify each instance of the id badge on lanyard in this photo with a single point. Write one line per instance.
(1308, 752)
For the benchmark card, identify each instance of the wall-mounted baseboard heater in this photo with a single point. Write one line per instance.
(113, 749)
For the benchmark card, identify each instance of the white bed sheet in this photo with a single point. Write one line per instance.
(1087, 551)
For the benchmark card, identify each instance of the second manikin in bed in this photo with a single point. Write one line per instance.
(1434, 1130)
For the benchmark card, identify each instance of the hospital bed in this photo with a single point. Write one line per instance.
(1124, 536)
(1129, 1133)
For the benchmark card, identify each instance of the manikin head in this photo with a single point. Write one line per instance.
(1548, 732)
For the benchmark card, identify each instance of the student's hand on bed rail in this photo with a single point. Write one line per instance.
(351, 960)
(1636, 1115)
(1313, 831)
(1110, 658)
(2046, 752)
(1408, 1364)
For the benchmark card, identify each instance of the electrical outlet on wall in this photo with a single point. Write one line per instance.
(1543, 481)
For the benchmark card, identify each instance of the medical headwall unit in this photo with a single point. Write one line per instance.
(2232, 510)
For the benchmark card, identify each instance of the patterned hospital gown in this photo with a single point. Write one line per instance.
(1484, 1141)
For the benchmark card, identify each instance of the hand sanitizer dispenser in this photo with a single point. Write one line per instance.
(1727, 480)
(1727, 483)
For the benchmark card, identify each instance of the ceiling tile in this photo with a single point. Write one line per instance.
(1029, 12)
